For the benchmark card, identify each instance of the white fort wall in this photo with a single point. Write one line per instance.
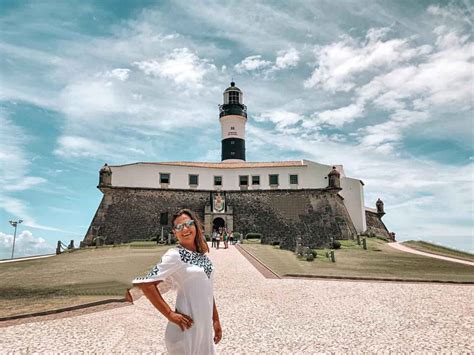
(311, 175)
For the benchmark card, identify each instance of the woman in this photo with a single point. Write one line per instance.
(191, 324)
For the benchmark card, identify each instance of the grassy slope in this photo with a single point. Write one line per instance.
(72, 278)
(437, 249)
(380, 261)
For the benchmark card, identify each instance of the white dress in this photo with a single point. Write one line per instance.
(192, 274)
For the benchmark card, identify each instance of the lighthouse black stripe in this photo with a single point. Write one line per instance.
(233, 148)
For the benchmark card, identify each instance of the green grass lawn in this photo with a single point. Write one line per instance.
(72, 278)
(379, 261)
(440, 250)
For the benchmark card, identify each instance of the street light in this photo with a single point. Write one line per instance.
(14, 224)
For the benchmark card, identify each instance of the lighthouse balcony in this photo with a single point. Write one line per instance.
(232, 109)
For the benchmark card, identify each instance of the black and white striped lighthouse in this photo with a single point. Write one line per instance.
(233, 117)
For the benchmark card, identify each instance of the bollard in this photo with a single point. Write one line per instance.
(58, 248)
(364, 243)
(358, 239)
(82, 245)
(333, 256)
(97, 242)
(71, 244)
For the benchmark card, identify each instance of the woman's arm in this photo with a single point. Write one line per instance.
(154, 296)
(217, 324)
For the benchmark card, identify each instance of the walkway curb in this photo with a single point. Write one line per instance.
(65, 309)
(406, 249)
(381, 279)
(258, 264)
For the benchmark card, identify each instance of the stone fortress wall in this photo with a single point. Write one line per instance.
(315, 215)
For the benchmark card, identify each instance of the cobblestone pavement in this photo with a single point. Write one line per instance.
(276, 316)
(401, 247)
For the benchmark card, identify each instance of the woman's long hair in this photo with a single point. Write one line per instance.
(200, 240)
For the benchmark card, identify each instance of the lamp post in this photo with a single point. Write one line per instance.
(14, 224)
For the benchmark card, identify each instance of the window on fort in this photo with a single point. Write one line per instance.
(243, 180)
(255, 180)
(232, 142)
(232, 153)
(217, 180)
(294, 179)
(164, 178)
(232, 128)
(193, 179)
(233, 97)
(273, 179)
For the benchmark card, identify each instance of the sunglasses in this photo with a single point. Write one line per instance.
(180, 227)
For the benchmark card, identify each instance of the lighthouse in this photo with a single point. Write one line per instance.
(233, 117)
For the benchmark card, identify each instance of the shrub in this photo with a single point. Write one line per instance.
(236, 235)
(336, 244)
(275, 242)
(253, 236)
(314, 252)
(207, 236)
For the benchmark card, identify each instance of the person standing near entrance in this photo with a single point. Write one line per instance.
(213, 239)
(194, 325)
(218, 238)
(226, 239)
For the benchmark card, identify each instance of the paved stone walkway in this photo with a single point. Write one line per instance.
(276, 316)
(401, 247)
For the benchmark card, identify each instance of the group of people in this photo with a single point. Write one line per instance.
(222, 234)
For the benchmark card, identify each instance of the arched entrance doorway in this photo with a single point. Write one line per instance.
(218, 223)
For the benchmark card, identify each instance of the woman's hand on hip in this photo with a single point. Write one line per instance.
(217, 331)
(181, 320)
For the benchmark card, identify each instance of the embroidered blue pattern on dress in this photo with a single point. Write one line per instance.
(194, 258)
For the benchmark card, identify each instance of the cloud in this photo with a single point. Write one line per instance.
(118, 73)
(252, 63)
(287, 59)
(182, 66)
(26, 244)
(384, 136)
(281, 118)
(337, 117)
(81, 147)
(339, 64)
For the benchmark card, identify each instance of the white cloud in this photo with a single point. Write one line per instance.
(287, 59)
(384, 136)
(25, 184)
(182, 66)
(26, 244)
(340, 64)
(252, 63)
(118, 73)
(281, 118)
(340, 116)
(81, 147)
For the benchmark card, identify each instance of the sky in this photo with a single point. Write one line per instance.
(384, 88)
